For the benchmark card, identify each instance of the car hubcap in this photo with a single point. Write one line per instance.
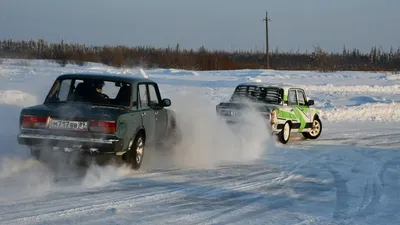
(139, 150)
(316, 128)
(286, 131)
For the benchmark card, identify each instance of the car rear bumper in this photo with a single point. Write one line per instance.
(109, 144)
(233, 121)
(42, 138)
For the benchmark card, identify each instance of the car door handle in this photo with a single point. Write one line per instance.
(143, 113)
(156, 112)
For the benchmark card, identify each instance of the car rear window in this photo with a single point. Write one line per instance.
(94, 91)
(270, 95)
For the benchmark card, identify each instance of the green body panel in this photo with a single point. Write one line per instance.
(295, 113)
(286, 115)
(305, 109)
(300, 117)
(305, 116)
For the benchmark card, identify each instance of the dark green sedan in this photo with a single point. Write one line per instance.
(100, 114)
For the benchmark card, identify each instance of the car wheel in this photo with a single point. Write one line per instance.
(284, 135)
(136, 151)
(315, 131)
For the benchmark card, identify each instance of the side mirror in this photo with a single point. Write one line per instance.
(310, 102)
(166, 102)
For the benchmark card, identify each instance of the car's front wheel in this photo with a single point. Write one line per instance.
(135, 151)
(315, 131)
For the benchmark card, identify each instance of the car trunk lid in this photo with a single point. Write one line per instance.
(229, 108)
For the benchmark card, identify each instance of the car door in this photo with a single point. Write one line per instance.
(292, 104)
(300, 108)
(302, 102)
(146, 113)
(160, 113)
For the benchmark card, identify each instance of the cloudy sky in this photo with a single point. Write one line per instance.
(217, 24)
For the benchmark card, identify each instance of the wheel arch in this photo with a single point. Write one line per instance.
(140, 130)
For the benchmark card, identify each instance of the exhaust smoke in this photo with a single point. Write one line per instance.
(207, 140)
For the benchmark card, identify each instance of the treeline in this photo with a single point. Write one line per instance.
(200, 59)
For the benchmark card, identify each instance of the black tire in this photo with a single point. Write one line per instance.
(135, 153)
(317, 126)
(284, 134)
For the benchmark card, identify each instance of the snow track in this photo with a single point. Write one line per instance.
(350, 175)
(328, 186)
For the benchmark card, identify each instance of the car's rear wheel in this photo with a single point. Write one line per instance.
(135, 151)
(315, 131)
(284, 135)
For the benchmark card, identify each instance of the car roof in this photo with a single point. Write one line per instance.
(108, 76)
(264, 84)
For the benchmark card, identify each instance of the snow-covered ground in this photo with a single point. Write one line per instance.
(350, 175)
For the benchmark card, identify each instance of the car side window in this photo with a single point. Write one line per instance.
(64, 90)
(301, 97)
(143, 97)
(292, 100)
(153, 95)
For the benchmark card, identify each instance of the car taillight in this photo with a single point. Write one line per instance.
(34, 121)
(102, 126)
(274, 116)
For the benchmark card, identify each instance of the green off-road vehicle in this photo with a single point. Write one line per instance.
(286, 109)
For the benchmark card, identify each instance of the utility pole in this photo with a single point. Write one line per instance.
(266, 39)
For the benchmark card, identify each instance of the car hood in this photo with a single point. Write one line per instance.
(75, 110)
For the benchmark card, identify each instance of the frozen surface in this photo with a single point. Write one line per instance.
(350, 175)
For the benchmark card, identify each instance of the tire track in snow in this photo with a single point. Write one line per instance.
(391, 140)
(171, 192)
(71, 206)
(265, 204)
(377, 188)
(342, 194)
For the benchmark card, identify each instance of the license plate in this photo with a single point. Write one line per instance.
(68, 125)
(226, 113)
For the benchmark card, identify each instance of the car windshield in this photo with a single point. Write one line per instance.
(94, 91)
(270, 95)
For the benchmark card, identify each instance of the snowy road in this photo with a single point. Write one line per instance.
(310, 185)
(348, 176)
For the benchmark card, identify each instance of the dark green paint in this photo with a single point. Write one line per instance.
(128, 120)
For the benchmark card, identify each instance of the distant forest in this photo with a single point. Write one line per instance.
(201, 58)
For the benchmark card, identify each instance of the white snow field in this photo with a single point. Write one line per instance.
(350, 175)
